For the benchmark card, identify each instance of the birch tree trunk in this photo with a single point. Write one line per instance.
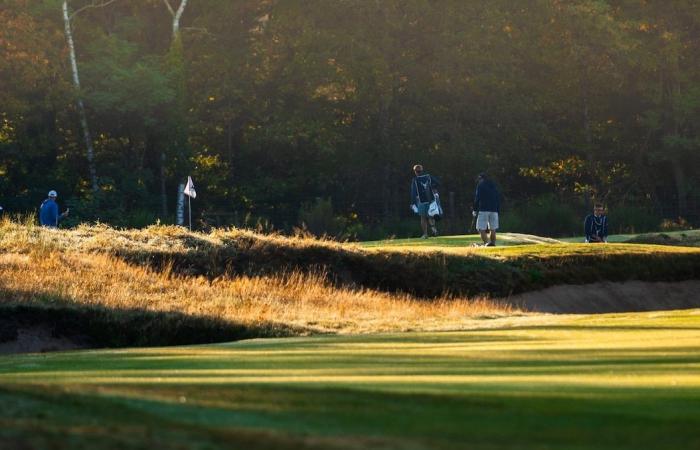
(177, 15)
(81, 107)
(176, 18)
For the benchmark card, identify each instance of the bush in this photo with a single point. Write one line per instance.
(679, 224)
(632, 219)
(319, 219)
(547, 216)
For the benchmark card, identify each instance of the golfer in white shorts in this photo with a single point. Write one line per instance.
(486, 206)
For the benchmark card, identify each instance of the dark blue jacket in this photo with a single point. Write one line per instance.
(487, 197)
(596, 226)
(422, 189)
(48, 213)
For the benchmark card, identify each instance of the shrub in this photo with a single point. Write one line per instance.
(632, 219)
(319, 219)
(679, 224)
(546, 215)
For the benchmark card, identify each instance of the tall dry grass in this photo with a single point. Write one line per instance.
(429, 274)
(308, 301)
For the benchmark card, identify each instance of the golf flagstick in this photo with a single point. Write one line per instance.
(190, 193)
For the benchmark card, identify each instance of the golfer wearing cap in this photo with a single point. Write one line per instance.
(486, 206)
(48, 212)
(423, 191)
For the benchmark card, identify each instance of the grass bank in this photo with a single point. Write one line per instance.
(625, 381)
(99, 300)
(420, 271)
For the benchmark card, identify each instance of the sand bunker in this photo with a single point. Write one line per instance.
(38, 339)
(608, 297)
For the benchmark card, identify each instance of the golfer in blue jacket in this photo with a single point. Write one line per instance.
(596, 225)
(48, 212)
(423, 189)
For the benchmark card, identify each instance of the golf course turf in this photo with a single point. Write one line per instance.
(492, 378)
(571, 382)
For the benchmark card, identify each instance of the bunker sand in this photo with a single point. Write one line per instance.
(608, 297)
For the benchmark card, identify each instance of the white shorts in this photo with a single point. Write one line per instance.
(487, 220)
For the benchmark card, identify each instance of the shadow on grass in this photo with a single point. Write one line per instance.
(222, 416)
(426, 275)
(90, 326)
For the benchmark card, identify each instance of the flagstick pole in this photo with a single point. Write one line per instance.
(189, 207)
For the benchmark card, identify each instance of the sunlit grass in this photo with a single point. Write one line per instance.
(624, 381)
(305, 301)
(355, 274)
(458, 241)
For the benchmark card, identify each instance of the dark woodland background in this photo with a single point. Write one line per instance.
(313, 112)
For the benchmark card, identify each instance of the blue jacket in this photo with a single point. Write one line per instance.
(48, 213)
(487, 197)
(596, 226)
(422, 189)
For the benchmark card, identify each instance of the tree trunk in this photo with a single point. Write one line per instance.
(177, 15)
(163, 190)
(81, 106)
(176, 18)
(677, 153)
(386, 193)
(588, 137)
(681, 186)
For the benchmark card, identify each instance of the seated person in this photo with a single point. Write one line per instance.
(596, 225)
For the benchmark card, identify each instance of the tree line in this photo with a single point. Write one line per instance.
(291, 111)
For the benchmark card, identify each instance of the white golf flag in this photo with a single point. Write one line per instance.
(189, 189)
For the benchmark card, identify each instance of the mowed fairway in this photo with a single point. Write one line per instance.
(453, 242)
(625, 381)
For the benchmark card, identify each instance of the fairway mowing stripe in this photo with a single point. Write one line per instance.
(598, 380)
(484, 368)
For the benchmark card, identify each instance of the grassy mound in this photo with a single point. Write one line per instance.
(99, 300)
(689, 238)
(468, 271)
(619, 382)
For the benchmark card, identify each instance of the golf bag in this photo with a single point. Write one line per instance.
(435, 209)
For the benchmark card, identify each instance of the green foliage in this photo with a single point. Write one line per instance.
(632, 219)
(320, 219)
(547, 215)
(274, 104)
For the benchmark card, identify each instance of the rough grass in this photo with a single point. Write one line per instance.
(425, 272)
(625, 381)
(118, 304)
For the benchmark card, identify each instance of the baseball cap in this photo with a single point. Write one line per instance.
(53, 194)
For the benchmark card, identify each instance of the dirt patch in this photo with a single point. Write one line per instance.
(39, 339)
(609, 297)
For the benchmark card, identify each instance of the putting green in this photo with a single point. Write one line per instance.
(570, 382)
(466, 240)
(508, 239)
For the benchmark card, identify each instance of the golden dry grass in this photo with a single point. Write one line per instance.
(294, 299)
(22, 235)
(427, 273)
